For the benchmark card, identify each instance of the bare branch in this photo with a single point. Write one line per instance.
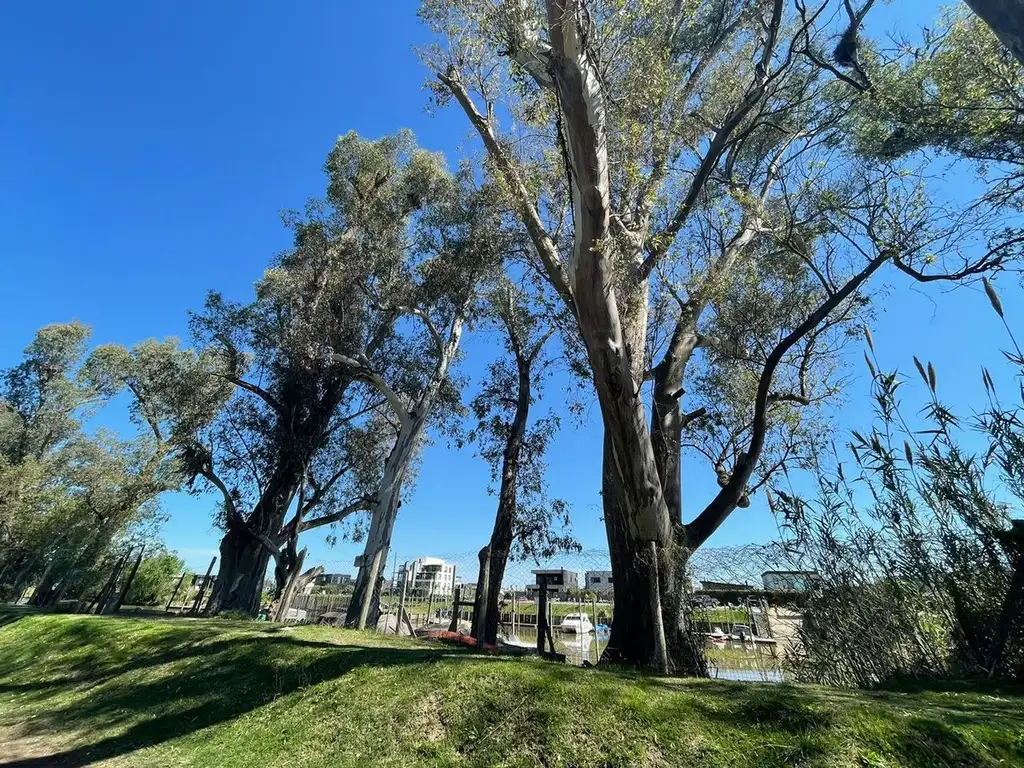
(365, 503)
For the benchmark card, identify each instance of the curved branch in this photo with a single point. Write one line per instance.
(707, 522)
(425, 317)
(542, 241)
(261, 393)
(365, 503)
(361, 370)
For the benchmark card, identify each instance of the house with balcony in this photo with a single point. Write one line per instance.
(560, 582)
(601, 583)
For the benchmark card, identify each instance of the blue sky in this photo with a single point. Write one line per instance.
(147, 149)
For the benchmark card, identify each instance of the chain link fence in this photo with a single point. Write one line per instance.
(746, 601)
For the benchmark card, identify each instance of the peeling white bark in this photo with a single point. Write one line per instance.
(385, 511)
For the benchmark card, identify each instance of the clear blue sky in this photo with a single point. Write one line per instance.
(147, 148)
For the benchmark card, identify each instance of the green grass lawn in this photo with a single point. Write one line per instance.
(79, 690)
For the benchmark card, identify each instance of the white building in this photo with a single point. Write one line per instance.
(428, 576)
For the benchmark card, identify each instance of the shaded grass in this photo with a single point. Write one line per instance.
(218, 693)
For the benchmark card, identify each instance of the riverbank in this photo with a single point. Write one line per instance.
(77, 690)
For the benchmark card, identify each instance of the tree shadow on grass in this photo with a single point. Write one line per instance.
(9, 614)
(206, 684)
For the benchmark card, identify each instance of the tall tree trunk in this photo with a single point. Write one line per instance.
(1006, 19)
(365, 604)
(483, 578)
(128, 582)
(44, 587)
(243, 567)
(631, 637)
(17, 585)
(297, 580)
(243, 557)
(500, 543)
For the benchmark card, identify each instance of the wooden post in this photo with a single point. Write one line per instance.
(128, 582)
(430, 607)
(401, 608)
(174, 594)
(483, 588)
(453, 626)
(202, 588)
(579, 602)
(100, 600)
(514, 602)
(542, 612)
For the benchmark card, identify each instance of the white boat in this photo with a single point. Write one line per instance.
(576, 622)
(718, 637)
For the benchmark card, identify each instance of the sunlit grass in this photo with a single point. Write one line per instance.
(75, 690)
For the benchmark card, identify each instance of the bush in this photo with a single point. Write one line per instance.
(155, 579)
(920, 563)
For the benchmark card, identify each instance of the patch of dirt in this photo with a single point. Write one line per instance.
(426, 719)
(17, 744)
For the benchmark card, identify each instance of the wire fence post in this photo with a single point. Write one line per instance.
(174, 594)
(401, 609)
(202, 588)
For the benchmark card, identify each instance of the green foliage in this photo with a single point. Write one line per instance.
(72, 500)
(154, 581)
(920, 562)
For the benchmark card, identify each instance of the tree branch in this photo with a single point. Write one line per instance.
(261, 393)
(542, 242)
(707, 522)
(361, 370)
(425, 317)
(659, 245)
(365, 503)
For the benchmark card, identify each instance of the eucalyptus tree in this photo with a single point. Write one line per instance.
(527, 523)
(686, 176)
(288, 452)
(459, 242)
(1006, 19)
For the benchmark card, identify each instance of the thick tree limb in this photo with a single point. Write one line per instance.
(427, 321)
(361, 370)
(248, 386)
(1006, 19)
(365, 503)
(707, 522)
(525, 46)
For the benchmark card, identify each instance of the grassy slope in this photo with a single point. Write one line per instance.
(75, 690)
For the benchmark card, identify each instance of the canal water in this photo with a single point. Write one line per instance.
(735, 661)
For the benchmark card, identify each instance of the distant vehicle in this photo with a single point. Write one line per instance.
(705, 601)
(576, 622)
